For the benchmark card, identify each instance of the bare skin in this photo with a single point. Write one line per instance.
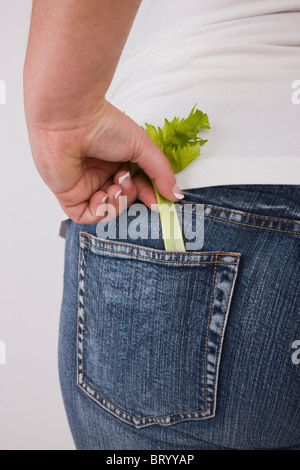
(81, 144)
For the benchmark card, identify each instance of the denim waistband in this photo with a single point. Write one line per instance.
(272, 207)
(267, 207)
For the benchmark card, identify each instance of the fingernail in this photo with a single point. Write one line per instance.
(177, 192)
(118, 193)
(101, 208)
(124, 177)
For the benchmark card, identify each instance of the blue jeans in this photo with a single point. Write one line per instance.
(196, 350)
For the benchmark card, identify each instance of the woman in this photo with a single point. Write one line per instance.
(167, 350)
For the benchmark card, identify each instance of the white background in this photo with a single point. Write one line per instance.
(32, 415)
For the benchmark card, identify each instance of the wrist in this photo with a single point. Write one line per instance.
(49, 112)
(49, 109)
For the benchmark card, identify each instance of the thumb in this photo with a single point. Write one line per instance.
(156, 165)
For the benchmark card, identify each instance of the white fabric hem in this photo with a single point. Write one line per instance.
(221, 171)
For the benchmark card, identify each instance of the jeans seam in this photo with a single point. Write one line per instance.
(84, 386)
(222, 333)
(78, 309)
(245, 214)
(151, 250)
(207, 328)
(241, 223)
(161, 260)
(83, 343)
(83, 340)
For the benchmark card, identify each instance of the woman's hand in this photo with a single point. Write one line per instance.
(81, 144)
(85, 162)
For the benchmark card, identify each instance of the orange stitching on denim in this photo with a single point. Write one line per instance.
(78, 281)
(83, 329)
(139, 419)
(241, 223)
(183, 419)
(87, 385)
(160, 260)
(255, 226)
(222, 332)
(207, 329)
(112, 404)
(145, 248)
(156, 418)
(144, 417)
(245, 214)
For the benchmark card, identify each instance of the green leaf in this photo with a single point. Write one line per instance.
(179, 141)
(183, 156)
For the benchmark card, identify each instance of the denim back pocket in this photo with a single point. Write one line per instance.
(150, 329)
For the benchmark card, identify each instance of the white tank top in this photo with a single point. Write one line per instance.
(240, 62)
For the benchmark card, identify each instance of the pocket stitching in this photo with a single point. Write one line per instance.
(151, 250)
(246, 214)
(155, 418)
(246, 225)
(162, 260)
(84, 386)
(207, 330)
(221, 342)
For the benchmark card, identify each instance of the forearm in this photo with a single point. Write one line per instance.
(73, 49)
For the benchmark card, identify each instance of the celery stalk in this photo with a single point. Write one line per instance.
(170, 225)
(179, 141)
